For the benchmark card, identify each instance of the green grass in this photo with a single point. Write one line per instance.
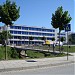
(35, 54)
(2, 51)
(71, 49)
(46, 47)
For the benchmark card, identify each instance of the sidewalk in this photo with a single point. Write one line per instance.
(10, 65)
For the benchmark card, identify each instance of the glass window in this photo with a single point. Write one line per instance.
(17, 27)
(19, 32)
(30, 28)
(48, 38)
(25, 28)
(22, 42)
(15, 32)
(11, 27)
(26, 33)
(26, 37)
(23, 32)
(15, 42)
(11, 32)
(15, 37)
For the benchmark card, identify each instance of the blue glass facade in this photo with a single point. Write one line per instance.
(21, 34)
(32, 28)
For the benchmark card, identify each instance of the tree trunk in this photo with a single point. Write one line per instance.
(6, 44)
(59, 40)
(53, 47)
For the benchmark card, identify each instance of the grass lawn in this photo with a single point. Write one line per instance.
(46, 47)
(71, 49)
(36, 54)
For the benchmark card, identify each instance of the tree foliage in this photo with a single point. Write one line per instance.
(60, 18)
(14, 53)
(3, 36)
(31, 38)
(53, 39)
(70, 39)
(43, 38)
(62, 39)
(9, 12)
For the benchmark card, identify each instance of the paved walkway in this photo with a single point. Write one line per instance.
(10, 65)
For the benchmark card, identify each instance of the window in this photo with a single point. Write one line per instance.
(26, 33)
(23, 32)
(22, 42)
(15, 37)
(11, 32)
(19, 32)
(11, 27)
(26, 37)
(15, 42)
(49, 39)
(15, 32)
(26, 28)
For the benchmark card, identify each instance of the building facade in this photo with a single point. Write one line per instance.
(21, 33)
(72, 37)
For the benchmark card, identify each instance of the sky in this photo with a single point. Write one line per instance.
(38, 13)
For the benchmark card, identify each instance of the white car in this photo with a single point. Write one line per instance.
(57, 43)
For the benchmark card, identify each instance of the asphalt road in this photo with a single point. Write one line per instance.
(68, 69)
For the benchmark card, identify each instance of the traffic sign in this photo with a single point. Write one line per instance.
(67, 27)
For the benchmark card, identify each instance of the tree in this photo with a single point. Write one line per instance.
(30, 38)
(53, 39)
(62, 39)
(3, 36)
(59, 19)
(43, 38)
(8, 14)
(14, 53)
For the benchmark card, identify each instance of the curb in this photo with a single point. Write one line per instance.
(33, 67)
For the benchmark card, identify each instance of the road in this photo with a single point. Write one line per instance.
(55, 70)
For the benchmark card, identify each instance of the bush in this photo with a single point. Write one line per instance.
(14, 53)
(2, 53)
(11, 53)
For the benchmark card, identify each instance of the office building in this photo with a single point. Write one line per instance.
(21, 34)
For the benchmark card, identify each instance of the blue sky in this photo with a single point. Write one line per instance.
(39, 12)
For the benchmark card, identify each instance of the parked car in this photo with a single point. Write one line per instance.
(57, 43)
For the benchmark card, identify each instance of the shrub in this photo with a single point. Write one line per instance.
(14, 53)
